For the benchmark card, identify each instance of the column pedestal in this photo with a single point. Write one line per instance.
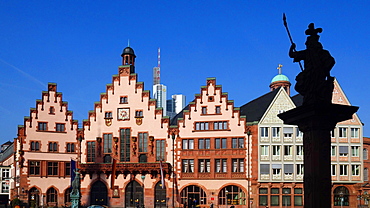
(316, 122)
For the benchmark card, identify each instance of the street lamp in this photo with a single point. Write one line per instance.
(249, 133)
(173, 170)
(143, 178)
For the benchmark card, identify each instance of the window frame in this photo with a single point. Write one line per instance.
(204, 143)
(53, 147)
(237, 165)
(204, 165)
(107, 143)
(343, 170)
(276, 150)
(264, 132)
(264, 150)
(343, 132)
(123, 100)
(91, 151)
(187, 144)
(187, 166)
(355, 151)
(60, 127)
(52, 168)
(42, 126)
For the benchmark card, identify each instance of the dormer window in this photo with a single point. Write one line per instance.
(123, 100)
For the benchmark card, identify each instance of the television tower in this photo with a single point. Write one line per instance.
(157, 70)
(159, 90)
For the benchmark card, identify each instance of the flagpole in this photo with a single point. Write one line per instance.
(173, 170)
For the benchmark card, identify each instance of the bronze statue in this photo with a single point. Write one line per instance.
(314, 83)
(76, 183)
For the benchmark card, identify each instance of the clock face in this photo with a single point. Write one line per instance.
(123, 113)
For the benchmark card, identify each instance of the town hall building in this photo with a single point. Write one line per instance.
(130, 154)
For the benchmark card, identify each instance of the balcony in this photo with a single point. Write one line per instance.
(124, 168)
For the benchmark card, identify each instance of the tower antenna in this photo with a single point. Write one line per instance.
(159, 57)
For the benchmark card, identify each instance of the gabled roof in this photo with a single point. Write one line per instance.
(255, 109)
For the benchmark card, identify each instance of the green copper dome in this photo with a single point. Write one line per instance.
(280, 77)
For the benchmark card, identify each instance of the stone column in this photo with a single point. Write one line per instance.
(316, 121)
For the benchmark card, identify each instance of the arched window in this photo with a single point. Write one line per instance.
(231, 195)
(67, 197)
(366, 174)
(341, 196)
(34, 197)
(191, 196)
(52, 197)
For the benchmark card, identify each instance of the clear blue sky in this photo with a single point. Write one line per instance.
(77, 44)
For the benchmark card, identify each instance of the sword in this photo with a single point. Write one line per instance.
(290, 37)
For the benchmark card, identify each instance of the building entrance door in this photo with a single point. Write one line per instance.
(98, 194)
(134, 195)
(160, 196)
(33, 198)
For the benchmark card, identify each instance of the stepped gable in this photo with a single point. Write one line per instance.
(210, 102)
(255, 109)
(124, 110)
(50, 116)
(122, 84)
(53, 104)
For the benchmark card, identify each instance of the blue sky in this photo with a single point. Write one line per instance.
(77, 44)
